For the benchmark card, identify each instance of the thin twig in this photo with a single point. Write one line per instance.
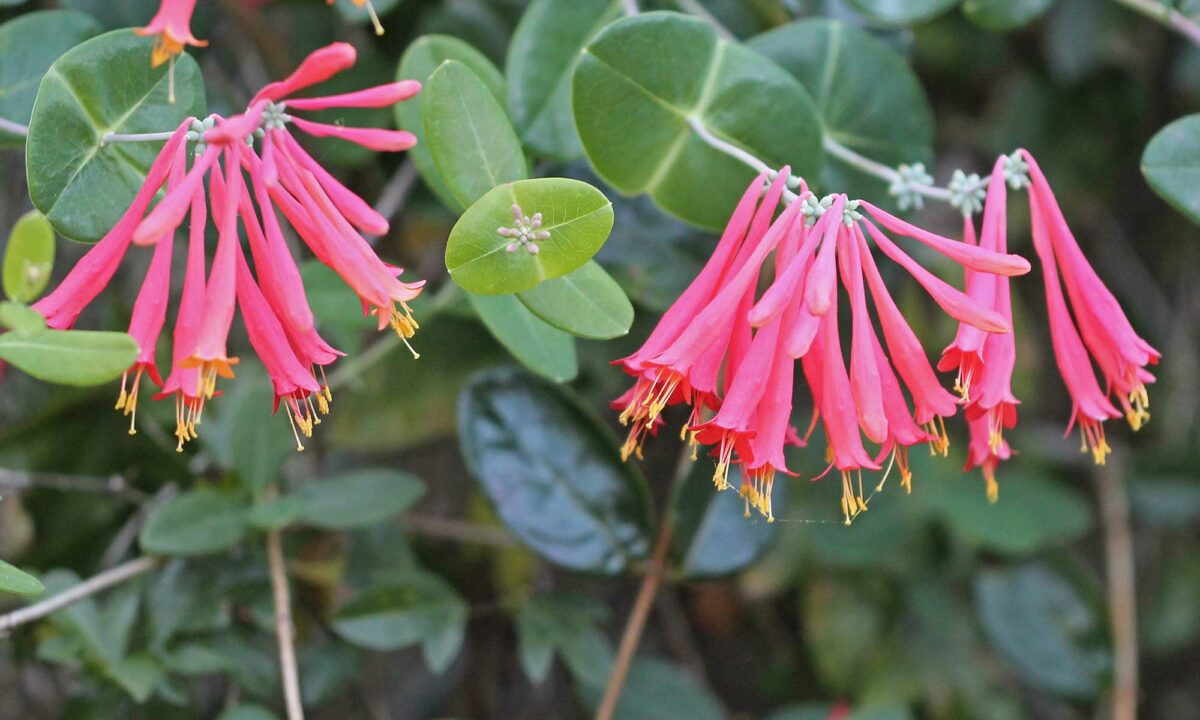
(112, 485)
(285, 631)
(693, 7)
(14, 128)
(458, 531)
(395, 193)
(1122, 588)
(1166, 15)
(100, 582)
(636, 623)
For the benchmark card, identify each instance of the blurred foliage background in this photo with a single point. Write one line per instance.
(463, 541)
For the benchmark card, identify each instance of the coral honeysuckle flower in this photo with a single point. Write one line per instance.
(172, 26)
(270, 295)
(985, 454)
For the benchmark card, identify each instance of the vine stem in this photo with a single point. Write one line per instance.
(1122, 589)
(135, 137)
(881, 171)
(285, 630)
(736, 153)
(1166, 15)
(85, 589)
(15, 128)
(636, 623)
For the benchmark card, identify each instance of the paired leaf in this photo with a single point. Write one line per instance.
(553, 472)
(104, 85)
(75, 357)
(29, 257)
(903, 12)
(1171, 164)
(472, 142)
(713, 534)
(586, 303)
(198, 522)
(20, 318)
(544, 349)
(541, 59)
(18, 582)
(643, 81)
(422, 57)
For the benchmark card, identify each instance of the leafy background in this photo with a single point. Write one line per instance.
(463, 540)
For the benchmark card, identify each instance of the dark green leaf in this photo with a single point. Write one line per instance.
(902, 12)
(196, 523)
(76, 357)
(586, 303)
(21, 318)
(29, 257)
(137, 675)
(565, 623)
(808, 711)
(260, 442)
(575, 221)
(356, 499)
(18, 582)
(1171, 164)
(1038, 620)
(656, 690)
(541, 59)
(1004, 15)
(355, 12)
(416, 607)
(104, 85)
(472, 142)
(714, 534)
(248, 712)
(28, 45)
(867, 96)
(843, 625)
(421, 58)
(642, 80)
(545, 350)
(552, 472)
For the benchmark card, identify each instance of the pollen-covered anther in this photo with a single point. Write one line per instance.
(1092, 440)
(939, 441)
(127, 400)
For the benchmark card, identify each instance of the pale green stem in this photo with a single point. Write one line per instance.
(736, 152)
(15, 128)
(1166, 15)
(135, 137)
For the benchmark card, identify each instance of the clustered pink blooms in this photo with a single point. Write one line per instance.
(729, 351)
(172, 28)
(327, 216)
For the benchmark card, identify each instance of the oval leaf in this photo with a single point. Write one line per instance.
(18, 582)
(541, 59)
(104, 85)
(713, 534)
(575, 221)
(586, 303)
(74, 357)
(1171, 164)
(1003, 15)
(641, 82)
(29, 257)
(196, 523)
(356, 499)
(543, 349)
(903, 12)
(259, 444)
(553, 472)
(868, 98)
(28, 45)
(472, 142)
(421, 58)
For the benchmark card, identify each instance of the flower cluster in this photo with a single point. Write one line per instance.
(327, 216)
(729, 351)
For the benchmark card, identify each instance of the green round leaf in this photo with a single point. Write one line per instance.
(421, 58)
(196, 523)
(541, 59)
(356, 499)
(472, 142)
(1037, 619)
(867, 96)
(28, 45)
(75, 357)
(576, 215)
(903, 12)
(1171, 164)
(553, 472)
(543, 349)
(713, 535)
(18, 582)
(641, 82)
(1002, 15)
(586, 303)
(104, 85)
(21, 318)
(29, 257)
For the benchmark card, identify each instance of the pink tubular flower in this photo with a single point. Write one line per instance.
(172, 25)
(985, 454)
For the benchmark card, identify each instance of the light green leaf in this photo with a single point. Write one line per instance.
(137, 675)
(902, 12)
(586, 303)
(1171, 164)
(17, 581)
(541, 59)
(198, 522)
(553, 472)
(575, 221)
(472, 142)
(29, 257)
(421, 58)
(641, 82)
(75, 357)
(356, 499)
(104, 85)
(545, 350)
(414, 607)
(868, 98)
(21, 318)
(1003, 15)
(28, 45)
